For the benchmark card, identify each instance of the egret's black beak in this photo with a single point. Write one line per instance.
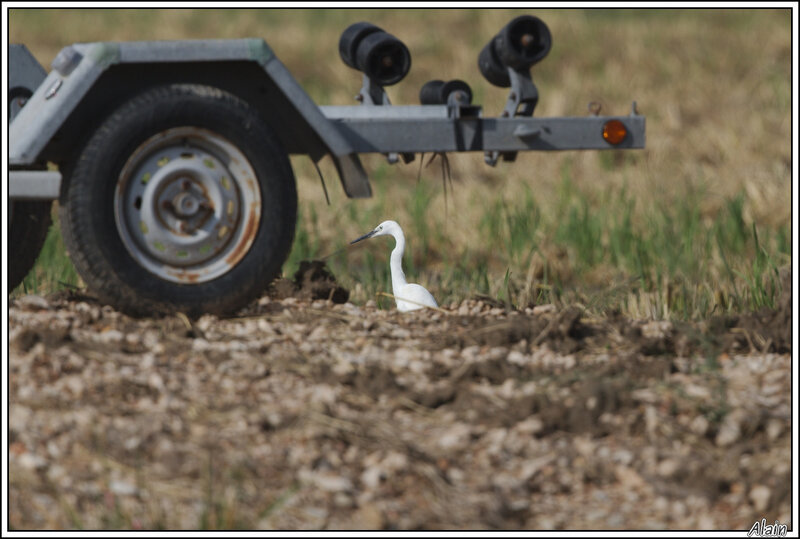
(365, 236)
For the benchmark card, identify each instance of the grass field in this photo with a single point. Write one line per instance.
(697, 223)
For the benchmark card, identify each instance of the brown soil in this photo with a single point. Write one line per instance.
(312, 280)
(306, 413)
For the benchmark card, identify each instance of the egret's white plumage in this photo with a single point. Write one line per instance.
(415, 295)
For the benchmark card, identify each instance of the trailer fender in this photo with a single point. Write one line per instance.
(85, 73)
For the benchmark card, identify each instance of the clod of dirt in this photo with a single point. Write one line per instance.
(564, 332)
(766, 330)
(312, 280)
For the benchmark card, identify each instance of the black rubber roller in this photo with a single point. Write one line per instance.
(383, 58)
(430, 93)
(520, 44)
(351, 37)
(436, 92)
(492, 68)
(523, 42)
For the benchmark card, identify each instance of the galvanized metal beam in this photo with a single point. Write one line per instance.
(34, 184)
(380, 112)
(430, 134)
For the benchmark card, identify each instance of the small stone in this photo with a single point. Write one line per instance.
(110, 336)
(628, 477)
(730, 430)
(543, 523)
(699, 425)
(122, 488)
(623, 456)
(760, 496)
(542, 309)
(53, 450)
(340, 499)
(645, 395)
(656, 329)
(18, 417)
(706, 522)
(678, 510)
(333, 483)
(455, 437)
(372, 477)
(132, 443)
(517, 358)
(33, 303)
(667, 467)
(650, 420)
(530, 426)
(661, 504)
(697, 391)
(368, 517)
(74, 384)
(455, 475)
(775, 428)
(31, 461)
(57, 474)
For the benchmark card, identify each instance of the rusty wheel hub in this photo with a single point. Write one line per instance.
(187, 205)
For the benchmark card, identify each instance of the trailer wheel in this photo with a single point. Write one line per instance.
(29, 222)
(182, 200)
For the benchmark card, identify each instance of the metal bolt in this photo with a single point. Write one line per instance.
(505, 114)
(359, 98)
(186, 185)
(167, 204)
(526, 40)
(513, 95)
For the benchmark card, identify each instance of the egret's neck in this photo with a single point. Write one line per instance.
(396, 262)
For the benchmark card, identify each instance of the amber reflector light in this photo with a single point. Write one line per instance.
(614, 131)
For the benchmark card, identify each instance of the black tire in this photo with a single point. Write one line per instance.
(350, 39)
(29, 223)
(93, 211)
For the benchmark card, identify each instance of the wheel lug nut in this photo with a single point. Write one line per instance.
(167, 205)
(186, 184)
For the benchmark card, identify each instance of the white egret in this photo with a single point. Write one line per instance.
(417, 297)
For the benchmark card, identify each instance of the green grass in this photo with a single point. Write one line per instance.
(53, 269)
(674, 263)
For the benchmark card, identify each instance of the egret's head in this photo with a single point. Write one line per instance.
(386, 228)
